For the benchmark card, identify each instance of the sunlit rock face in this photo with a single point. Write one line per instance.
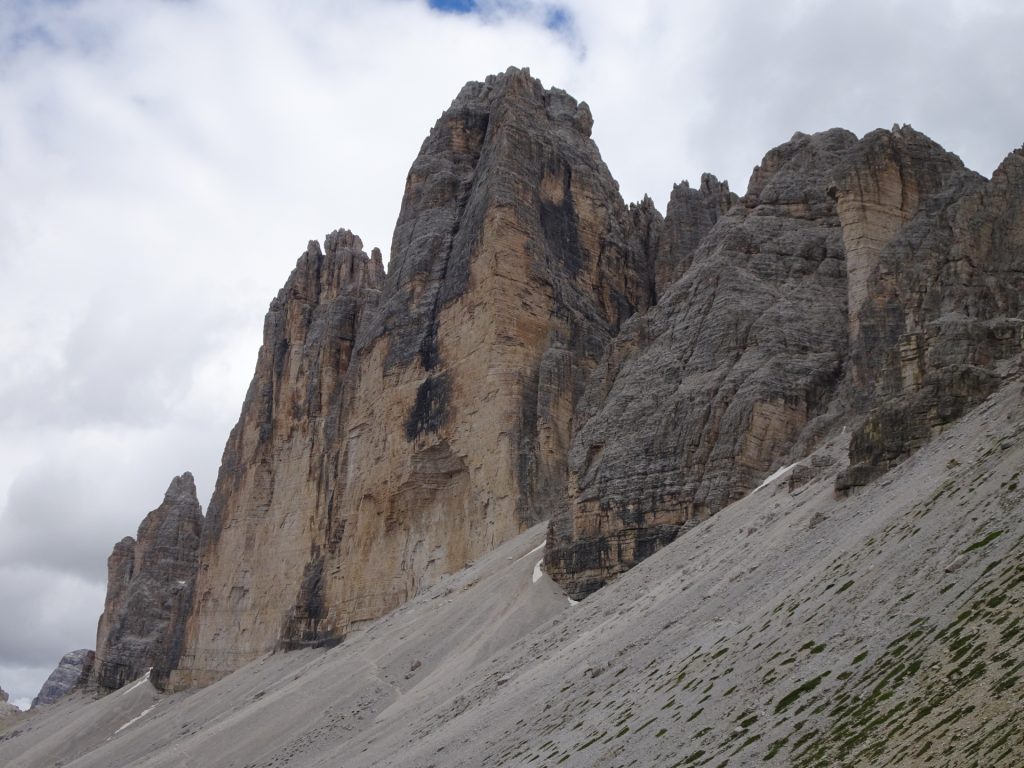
(539, 350)
(397, 428)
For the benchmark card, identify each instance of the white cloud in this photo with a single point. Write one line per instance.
(162, 165)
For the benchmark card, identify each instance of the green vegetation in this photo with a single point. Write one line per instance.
(795, 694)
(983, 542)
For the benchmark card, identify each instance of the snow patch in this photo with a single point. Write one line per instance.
(774, 476)
(138, 682)
(537, 573)
(535, 549)
(138, 717)
(572, 602)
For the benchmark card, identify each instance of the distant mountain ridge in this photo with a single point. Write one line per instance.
(540, 350)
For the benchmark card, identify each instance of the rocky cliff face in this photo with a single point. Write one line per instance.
(941, 300)
(73, 671)
(873, 282)
(538, 350)
(700, 397)
(690, 215)
(273, 499)
(397, 429)
(149, 591)
(6, 710)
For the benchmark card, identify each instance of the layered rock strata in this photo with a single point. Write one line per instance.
(690, 215)
(943, 300)
(149, 591)
(72, 672)
(397, 429)
(699, 398)
(274, 510)
(875, 283)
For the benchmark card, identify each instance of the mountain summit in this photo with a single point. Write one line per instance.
(539, 351)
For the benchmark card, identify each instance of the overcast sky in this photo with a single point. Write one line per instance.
(163, 164)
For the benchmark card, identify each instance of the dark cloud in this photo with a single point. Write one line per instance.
(47, 614)
(65, 512)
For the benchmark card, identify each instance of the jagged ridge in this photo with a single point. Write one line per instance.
(539, 349)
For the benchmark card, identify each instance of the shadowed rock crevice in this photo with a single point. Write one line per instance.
(428, 412)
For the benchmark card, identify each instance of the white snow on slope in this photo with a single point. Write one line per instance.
(135, 719)
(138, 682)
(535, 549)
(774, 476)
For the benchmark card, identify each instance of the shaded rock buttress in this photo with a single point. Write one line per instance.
(873, 282)
(698, 398)
(149, 592)
(942, 301)
(72, 672)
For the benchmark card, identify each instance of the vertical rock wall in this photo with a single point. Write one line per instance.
(700, 397)
(446, 425)
(876, 283)
(149, 591)
(274, 496)
(943, 306)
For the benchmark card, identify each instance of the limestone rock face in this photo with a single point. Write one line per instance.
(875, 282)
(698, 398)
(538, 349)
(273, 498)
(443, 428)
(149, 591)
(526, 274)
(941, 302)
(690, 215)
(6, 710)
(72, 671)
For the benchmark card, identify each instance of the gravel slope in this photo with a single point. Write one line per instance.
(791, 629)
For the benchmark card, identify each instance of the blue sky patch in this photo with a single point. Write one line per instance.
(559, 20)
(454, 6)
(555, 17)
